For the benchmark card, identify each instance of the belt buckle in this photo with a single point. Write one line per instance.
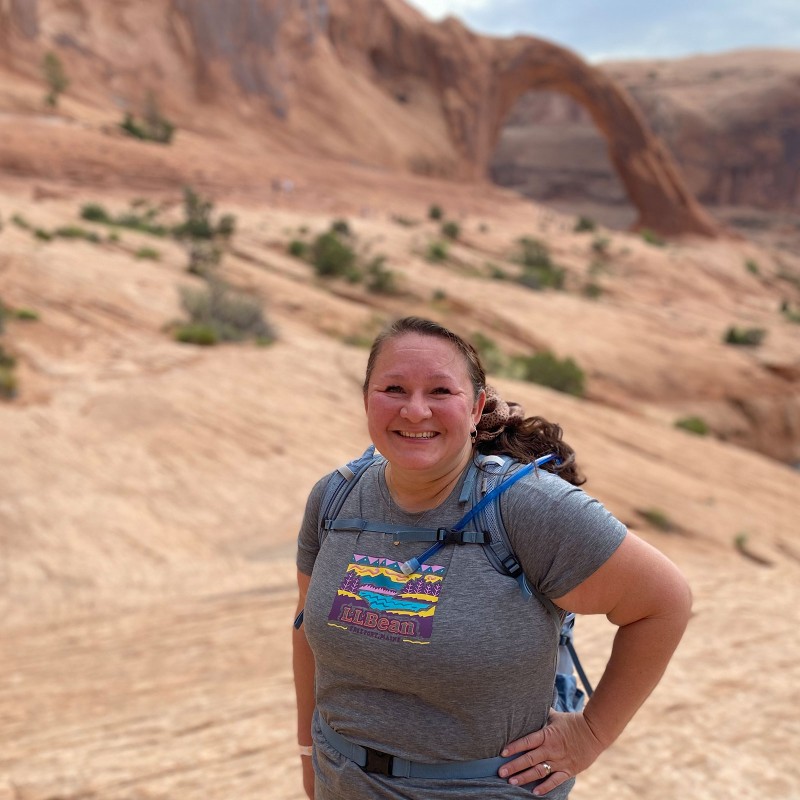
(378, 763)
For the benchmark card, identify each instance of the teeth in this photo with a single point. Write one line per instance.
(426, 435)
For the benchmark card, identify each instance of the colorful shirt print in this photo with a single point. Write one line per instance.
(376, 599)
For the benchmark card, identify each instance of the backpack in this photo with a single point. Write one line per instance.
(487, 478)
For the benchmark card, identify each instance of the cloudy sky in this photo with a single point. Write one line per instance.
(622, 29)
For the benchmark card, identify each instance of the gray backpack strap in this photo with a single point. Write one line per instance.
(340, 485)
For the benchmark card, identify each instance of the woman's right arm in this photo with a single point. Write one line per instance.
(303, 664)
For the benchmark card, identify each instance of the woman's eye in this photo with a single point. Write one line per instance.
(441, 390)
(393, 389)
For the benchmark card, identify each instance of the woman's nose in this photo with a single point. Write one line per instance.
(415, 409)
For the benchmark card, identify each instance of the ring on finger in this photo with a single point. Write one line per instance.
(547, 769)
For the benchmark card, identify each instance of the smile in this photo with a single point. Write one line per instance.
(423, 435)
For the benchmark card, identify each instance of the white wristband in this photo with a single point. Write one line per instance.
(305, 749)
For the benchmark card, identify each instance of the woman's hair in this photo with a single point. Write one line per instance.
(503, 427)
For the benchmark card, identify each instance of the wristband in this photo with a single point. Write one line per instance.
(305, 749)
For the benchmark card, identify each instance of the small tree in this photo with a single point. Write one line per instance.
(55, 76)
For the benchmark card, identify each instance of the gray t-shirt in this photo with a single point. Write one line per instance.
(450, 663)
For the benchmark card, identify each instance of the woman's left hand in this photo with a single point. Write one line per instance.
(566, 744)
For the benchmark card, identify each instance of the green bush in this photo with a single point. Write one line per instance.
(297, 248)
(94, 212)
(55, 76)
(21, 222)
(332, 258)
(695, 425)
(435, 212)
(657, 519)
(341, 227)
(651, 237)
(539, 272)
(8, 380)
(76, 232)
(379, 278)
(563, 375)
(749, 337)
(437, 252)
(148, 253)
(592, 290)
(233, 316)
(26, 315)
(41, 233)
(451, 230)
(584, 225)
(204, 257)
(490, 354)
(600, 245)
(752, 266)
(153, 127)
(203, 335)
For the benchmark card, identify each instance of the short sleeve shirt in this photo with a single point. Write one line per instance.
(451, 662)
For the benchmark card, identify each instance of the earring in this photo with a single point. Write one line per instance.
(473, 434)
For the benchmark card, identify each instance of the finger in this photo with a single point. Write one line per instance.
(536, 773)
(527, 764)
(555, 779)
(528, 742)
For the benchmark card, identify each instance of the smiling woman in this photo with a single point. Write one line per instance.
(430, 676)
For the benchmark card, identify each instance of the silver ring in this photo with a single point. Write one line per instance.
(547, 769)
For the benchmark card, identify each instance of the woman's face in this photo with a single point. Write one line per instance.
(420, 405)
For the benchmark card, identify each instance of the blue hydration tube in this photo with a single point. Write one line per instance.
(413, 564)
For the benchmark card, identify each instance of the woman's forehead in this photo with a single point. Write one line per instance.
(430, 354)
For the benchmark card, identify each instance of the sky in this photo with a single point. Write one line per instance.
(602, 30)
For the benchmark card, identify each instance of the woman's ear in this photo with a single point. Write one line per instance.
(477, 409)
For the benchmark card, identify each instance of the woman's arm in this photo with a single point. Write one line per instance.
(643, 592)
(303, 664)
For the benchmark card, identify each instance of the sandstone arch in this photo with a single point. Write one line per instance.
(478, 79)
(649, 173)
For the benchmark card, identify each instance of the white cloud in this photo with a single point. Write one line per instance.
(437, 9)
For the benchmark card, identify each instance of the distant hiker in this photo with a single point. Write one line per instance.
(422, 671)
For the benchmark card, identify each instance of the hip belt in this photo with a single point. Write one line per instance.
(380, 763)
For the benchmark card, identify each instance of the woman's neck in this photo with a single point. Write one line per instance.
(414, 491)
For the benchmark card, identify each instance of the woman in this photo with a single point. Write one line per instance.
(468, 680)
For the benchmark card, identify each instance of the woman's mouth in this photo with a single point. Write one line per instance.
(419, 435)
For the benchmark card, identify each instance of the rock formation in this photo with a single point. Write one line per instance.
(371, 80)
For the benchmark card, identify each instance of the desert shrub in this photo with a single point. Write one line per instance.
(546, 369)
(55, 77)
(226, 226)
(297, 248)
(341, 227)
(406, 222)
(197, 216)
(42, 234)
(438, 296)
(657, 518)
(149, 253)
(435, 212)
(153, 127)
(8, 380)
(233, 316)
(539, 271)
(497, 273)
(200, 334)
(94, 212)
(600, 245)
(26, 314)
(204, 257)
(21, 222)
(451, 230)
(437, 252)
(491, 356)
(584, 225)
(332, 258)
(76, 232)
(651, 237)
(695, 425)
(790, 314)
(752, 266)
(592, 290)
(744, 336)
(379, 278)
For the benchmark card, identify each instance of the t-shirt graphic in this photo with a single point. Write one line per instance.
(376, 599)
